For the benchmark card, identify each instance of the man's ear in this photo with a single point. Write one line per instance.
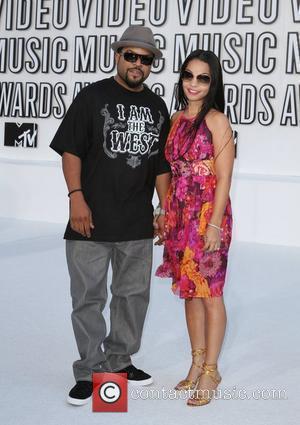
(117, 57)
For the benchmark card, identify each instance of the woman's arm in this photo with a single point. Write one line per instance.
(222, 137)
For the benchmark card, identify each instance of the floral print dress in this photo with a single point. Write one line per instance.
(189, 206)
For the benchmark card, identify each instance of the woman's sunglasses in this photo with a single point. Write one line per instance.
(133, 57)
(201, 78)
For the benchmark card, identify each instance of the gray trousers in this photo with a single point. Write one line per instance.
(88, 264)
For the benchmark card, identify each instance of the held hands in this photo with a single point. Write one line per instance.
(159, 226)
(80, 215)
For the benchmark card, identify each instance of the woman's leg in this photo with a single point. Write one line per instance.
(215, 324)
(215, 320)
(195, 319)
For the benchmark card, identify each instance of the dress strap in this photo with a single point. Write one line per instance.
(173, 122)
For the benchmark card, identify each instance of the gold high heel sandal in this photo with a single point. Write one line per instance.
(202, 399)
(188, 384)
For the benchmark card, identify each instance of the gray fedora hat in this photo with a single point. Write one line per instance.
(138, 36)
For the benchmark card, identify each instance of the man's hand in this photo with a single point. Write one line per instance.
(159, 229)
(80, 215)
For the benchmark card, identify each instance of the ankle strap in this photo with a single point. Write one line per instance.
(211, 370)
(198, 351)
(210, 367)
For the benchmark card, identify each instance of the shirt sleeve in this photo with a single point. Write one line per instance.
(162, 164)
(73, 133)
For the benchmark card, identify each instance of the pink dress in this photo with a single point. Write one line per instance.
(189, 206)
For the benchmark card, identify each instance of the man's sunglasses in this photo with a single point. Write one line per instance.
(201, 78)
(133, 57)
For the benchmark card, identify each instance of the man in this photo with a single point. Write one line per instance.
(112, 145)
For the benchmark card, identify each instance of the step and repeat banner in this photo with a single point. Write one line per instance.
(50, 49)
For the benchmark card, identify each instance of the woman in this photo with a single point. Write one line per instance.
(198, 218)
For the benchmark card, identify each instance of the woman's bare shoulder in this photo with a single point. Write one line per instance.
(216, 120)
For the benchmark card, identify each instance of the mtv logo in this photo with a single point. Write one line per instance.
(22, 135)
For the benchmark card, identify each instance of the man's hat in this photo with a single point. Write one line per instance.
(138, 36)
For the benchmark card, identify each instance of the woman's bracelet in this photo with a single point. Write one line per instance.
(159, 211)
(216, 227)
(72, 191)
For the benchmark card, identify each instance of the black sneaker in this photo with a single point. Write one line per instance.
(81, 393)
(136, 376)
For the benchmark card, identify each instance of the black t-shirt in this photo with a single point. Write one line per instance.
(119, 136)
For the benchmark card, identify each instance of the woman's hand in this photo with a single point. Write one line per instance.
(212, 239)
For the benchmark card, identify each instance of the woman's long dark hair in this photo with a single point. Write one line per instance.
(215, 96)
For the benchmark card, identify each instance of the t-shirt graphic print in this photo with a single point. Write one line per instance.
(133, 133)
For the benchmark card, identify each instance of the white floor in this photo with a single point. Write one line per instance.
(261, 349)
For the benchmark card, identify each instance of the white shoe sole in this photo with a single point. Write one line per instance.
(78, 401)
(140, 383)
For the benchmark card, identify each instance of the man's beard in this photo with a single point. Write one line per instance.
(133, 84)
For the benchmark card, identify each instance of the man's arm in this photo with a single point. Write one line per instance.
(80, 213)
(162, 184)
